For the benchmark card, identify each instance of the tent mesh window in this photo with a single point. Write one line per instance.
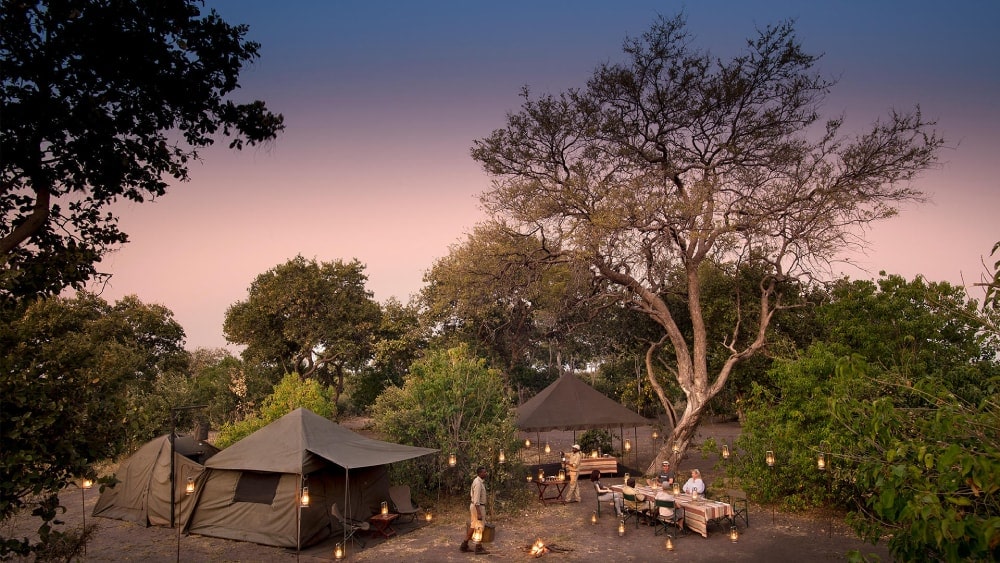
(254, 486)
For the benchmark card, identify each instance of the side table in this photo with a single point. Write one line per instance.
(382, 524)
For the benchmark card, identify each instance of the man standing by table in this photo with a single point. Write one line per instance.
(573, 468)
(477, 510)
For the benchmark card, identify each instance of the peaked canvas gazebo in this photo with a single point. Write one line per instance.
(570, 404)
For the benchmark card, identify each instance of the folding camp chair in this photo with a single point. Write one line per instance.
(352, 526)
(401, 501)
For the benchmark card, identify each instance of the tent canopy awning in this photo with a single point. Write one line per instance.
(292, 443)
(570, 404)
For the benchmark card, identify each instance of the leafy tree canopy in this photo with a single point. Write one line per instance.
(75, 378)
(316, 319)
(104, 101)
(675, 157)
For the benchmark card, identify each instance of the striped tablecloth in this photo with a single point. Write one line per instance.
(697, 513)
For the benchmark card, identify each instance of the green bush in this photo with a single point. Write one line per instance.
(291, 393)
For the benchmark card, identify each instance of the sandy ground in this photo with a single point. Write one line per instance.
(565, 527)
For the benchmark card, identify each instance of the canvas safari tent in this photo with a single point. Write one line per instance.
(142, 494)
(570, 404)
(251, 489)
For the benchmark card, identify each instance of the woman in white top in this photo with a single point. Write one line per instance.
(694, 484)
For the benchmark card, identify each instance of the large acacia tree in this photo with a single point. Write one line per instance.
(315, 319)
(675, 157)
(106, 100)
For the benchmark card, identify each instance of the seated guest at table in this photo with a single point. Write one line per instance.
(694, 483)
(664, 494)
(641, 505)
(666, 474)
(605, 494)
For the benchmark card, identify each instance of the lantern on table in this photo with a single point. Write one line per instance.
(677, 488)
(562, 475)
(541, 474)
(694, 494)
(385, 508)
(593, 453)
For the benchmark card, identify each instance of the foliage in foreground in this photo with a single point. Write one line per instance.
(453, 402)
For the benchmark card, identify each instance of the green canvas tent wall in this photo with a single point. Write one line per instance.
(142, 494)
(251, 490)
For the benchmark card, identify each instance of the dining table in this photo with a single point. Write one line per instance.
(697, 512)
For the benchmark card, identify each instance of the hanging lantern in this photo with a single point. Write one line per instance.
(656, 434)
(529, 477)
(676, 448)
(548, 450)
(734, 534)
(428, 516)
(821, 462)
(725, 451)
(670, 544)
(452, 460)
(502, 458)
(477, 535)
(304, 499)
(527, 442)
(562, 475)
(189, 487)
(621, 528)
(86, 484)
(385, 508)
(628, 445)
(338, 552)
(593, 517)
(769, 458)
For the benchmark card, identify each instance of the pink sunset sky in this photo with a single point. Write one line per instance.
(383, 99)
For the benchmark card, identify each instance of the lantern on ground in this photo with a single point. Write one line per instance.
(621, 528)
(670, 544)
(338, 552)
(734, 534)
(593, 517)
(725, 451)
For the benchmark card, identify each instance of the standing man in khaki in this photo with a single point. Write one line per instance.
(573, 467)
(477, 509)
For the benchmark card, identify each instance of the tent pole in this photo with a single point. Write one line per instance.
(538, 444)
